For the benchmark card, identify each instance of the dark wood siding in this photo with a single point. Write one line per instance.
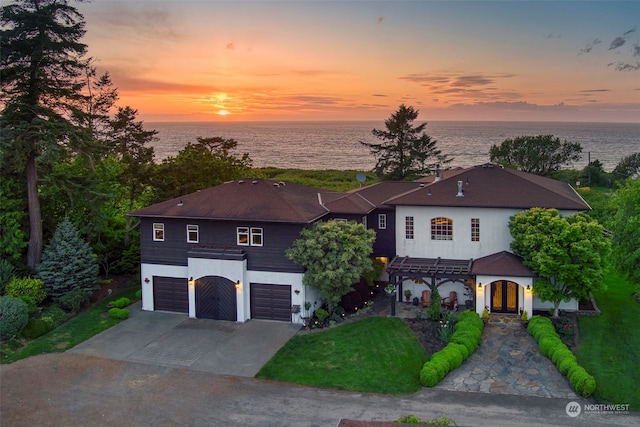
(170, 294)
(277, 238)
(271, 302)
(385, 243)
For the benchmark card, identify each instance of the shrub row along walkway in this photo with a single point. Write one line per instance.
(508, 362)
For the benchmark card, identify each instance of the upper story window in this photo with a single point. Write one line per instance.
(250, 236)
(408, 227)
(158, 232)
(441, 228)
(256, 236)
(475, 229)
(192, 234)
(382, 221)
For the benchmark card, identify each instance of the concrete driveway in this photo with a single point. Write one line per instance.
(174, 340)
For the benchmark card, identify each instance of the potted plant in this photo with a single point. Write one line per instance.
(390, 290)
(407, 295)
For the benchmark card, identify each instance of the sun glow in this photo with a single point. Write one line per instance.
(223, 113)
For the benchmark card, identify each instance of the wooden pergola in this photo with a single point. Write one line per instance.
(431, 271)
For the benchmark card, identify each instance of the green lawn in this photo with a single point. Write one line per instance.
(609, 347)
(378, 354)
(71, 333)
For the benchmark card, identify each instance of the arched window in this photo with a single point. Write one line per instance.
(441, 228)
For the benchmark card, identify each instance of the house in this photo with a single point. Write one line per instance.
(219, 253)
(453, 234)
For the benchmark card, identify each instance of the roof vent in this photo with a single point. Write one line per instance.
(254, 182)
(241, 181)
(281, 183)
(180, 203)
(438, 178)
(460, 190)
(275, 184)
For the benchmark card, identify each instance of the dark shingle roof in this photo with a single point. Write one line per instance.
(378, 193)
(247, 200)
(349, 203)
(491, 186)
(501, 264)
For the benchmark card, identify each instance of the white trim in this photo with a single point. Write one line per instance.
(197, 231)
(158, 229)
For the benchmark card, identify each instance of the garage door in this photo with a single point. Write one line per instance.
(170, 294)
(272, 302)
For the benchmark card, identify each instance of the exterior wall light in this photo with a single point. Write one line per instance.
(528, 288)
(191, 281)
(146, 280)
(479, 285)
(238, 285)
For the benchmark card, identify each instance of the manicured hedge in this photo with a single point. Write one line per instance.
(551, 346)
(463, 342)
(121, 302)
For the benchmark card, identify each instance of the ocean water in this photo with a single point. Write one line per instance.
(336, 145)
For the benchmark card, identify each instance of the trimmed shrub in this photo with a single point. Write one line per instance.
(36, 328)
(549, 343)
(560, 354)
(464, 351)
(14, 315)
(429, 375)
(454, 356)
(27, 287)
(121, 302)
(118, 313)
(585, 385)
(566, 364)
(441, 358)
(139, 294)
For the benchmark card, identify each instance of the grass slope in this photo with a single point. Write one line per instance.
(378, 354)
(609, 347)
(71, 333)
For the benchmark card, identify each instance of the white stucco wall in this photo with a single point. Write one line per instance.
(147, 271)
(494, 232)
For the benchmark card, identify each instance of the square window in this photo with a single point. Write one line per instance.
(382, 221)
(256, 236)
(243, 236)
(158, 232)
(192, 234)
(441, 229)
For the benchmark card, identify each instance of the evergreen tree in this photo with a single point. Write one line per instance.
(405, 151)
(68, 264)
(41, 70)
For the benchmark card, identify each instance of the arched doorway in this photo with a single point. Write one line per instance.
(216, 298)
(504, 297)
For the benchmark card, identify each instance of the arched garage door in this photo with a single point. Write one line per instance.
(216, 298)
(170, 294)
(271, 302)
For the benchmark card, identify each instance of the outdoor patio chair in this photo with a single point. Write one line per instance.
(426, 298)
(451, 302)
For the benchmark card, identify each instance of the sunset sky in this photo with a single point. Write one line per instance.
(356, 60)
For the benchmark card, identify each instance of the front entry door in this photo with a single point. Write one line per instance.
(215, 298)
(504, 297)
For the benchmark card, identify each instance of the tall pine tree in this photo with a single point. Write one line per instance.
(41, 82)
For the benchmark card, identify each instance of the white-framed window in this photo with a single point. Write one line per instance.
(250, 236)
(256, 236)
(441, 228)
(382, 221)
(408, 227)
(192, 233)
(475, 229)
(243, 236)
(158, 232)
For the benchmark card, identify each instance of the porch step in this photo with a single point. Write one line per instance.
(502, 318)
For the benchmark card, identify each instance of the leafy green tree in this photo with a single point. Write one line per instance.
(335, 255)
(204, 164)
(405, 151)
(629, 167)
(12, 220)
(68, 264)
(626, 229)
(540, 155)
(568, 254)
(41, 70)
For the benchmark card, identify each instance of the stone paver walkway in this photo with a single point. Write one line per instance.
(508, 362)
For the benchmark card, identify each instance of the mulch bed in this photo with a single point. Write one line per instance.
(427, 333)
(116, 284)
